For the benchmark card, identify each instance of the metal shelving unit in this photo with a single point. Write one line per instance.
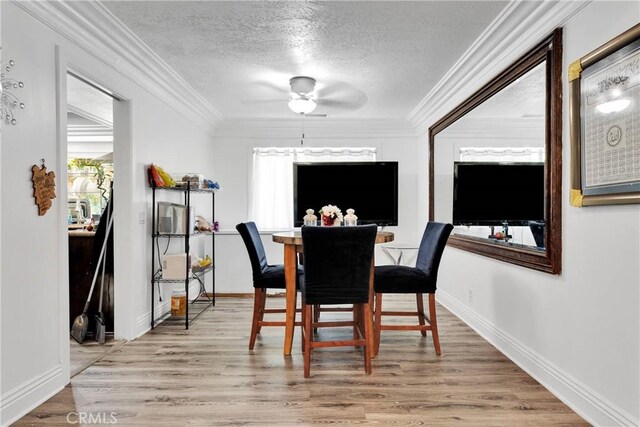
(198, 305)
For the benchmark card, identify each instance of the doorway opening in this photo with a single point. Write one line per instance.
(90, 175)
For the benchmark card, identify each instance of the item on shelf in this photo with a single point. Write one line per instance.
(207, 183)
(350, 218)
(178, 303)
(174, 266)
(174, 218)
(216, 226)
(191, 180)
(155, 179)
(201, 264)
(168, 181)
(202, 224)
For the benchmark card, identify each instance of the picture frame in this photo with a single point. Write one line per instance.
(604, 123)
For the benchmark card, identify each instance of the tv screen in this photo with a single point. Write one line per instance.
(498, 193)
(370, 188)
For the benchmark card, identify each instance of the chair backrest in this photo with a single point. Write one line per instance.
(337, 263)
(432, 245)
(255, 248)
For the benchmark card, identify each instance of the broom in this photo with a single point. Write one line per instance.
(81, 323)
(101, 321)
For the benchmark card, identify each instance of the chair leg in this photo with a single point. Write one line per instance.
(368, 336)
(258, 309)
(421, 316)
(377, 324)
(434, 322)
(356, 321)
(263, 304)
(316, 315)
(307, 333)
(302, 331)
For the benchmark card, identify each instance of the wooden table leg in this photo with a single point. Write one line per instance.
(290, 279)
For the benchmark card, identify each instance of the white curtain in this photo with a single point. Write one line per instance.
(271, 200)
(502, 154)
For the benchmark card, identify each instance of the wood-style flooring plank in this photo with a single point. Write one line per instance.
(207, 376)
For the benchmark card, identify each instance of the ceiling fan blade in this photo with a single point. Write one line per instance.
(261, 101)
(351, 105)
(261, 85)
(335, 89)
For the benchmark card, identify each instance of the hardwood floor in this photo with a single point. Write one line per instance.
(207, 376)
(89, 352)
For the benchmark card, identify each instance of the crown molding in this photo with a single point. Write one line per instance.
(519, 26)
(323, 128)
(89, 116)
(92, 27)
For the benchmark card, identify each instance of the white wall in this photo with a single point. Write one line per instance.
(234, 141)
(578, 333)
(33, 253)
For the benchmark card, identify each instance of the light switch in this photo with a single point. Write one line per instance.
(142, 215)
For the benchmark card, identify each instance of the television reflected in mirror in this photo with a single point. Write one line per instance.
(370, 188)
(509, 196)
(498, 193)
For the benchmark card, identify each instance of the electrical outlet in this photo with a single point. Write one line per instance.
(470, 295)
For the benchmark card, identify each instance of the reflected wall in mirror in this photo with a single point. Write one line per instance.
(495, 164)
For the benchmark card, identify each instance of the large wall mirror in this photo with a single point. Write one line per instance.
(495, 164)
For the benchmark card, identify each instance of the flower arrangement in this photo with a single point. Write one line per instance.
(331, 215)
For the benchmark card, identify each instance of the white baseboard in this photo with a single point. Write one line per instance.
(22, 399)
(590, 405)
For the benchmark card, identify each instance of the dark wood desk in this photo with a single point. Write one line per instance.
(292, 241)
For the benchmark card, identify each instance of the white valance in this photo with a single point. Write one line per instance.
(502, 154)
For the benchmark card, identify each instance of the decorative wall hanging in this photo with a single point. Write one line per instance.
(44, 187)
(604, 102)
(8, 100)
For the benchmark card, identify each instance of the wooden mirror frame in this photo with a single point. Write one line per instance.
(549, 260)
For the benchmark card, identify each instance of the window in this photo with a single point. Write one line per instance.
(271, 196)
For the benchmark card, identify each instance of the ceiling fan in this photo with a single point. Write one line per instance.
(304, 96)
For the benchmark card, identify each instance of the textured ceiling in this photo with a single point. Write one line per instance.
(524, 98)
(371, 59)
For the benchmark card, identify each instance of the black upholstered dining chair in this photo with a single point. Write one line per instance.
(421, 279)
(337, 270)
(265, 276)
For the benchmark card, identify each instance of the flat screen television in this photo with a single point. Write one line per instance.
(498, 193)
(370, 188)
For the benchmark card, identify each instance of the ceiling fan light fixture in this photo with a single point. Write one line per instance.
(302, 85)
(302, 105)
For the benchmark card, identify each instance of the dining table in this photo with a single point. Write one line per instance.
(292, 241)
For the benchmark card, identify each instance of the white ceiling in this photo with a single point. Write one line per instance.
(88, 102)
(371, 59)
(89, 120)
